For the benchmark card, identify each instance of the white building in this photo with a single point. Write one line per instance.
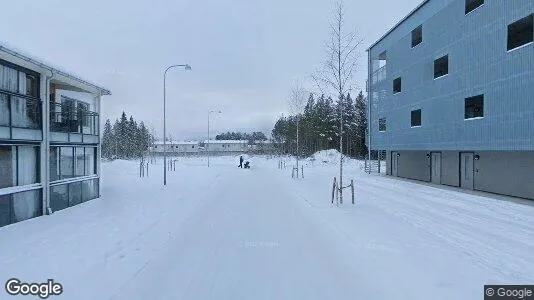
(49, 138)
(226, 146)
(175, 148)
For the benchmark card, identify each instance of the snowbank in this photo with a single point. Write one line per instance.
(330, 156)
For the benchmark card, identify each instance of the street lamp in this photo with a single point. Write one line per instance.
(187, 68)
(207, 145)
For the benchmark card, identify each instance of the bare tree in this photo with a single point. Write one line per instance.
(297, 102)
(338, 70)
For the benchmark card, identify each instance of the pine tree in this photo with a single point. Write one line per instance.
(107, 140)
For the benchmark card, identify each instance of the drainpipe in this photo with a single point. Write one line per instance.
(46, 139)
(369, 94)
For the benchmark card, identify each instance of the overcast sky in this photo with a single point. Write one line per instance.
(245, 54)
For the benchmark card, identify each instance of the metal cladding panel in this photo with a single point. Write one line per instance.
(479, 63)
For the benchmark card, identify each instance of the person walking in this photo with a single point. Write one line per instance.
(240, 161)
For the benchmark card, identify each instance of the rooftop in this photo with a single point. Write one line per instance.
(400, 22)
(19, 54)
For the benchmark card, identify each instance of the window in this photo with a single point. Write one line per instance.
(417, 36)
(416, 118)
(89, 189)
(474, 107)
(521, 32)
(80, 159)
(32, 86)
(66, 162)
(90, 160)
(20, 165)
(59, 197)
(397, 85)
(441, 66)
(20, 206)
(193, 147)
(382, 124)
(471, 5)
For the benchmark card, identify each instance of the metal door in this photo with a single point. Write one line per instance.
(435, 168)
(394, 164)
(466, 171)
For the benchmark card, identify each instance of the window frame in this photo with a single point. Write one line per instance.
(436, 61)
(531, 21)
(420, 118)
(471, 9)
(415, 31)
(382, 121)
(473, 98)
(400, 85)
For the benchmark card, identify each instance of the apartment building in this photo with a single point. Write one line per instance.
(49, 138)
(451, 90)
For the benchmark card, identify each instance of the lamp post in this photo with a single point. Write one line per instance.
(208, 143)
(186, 67)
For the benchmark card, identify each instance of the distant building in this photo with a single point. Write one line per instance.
(176, 148)
(226, 146)
(451, 93)
(49, 138)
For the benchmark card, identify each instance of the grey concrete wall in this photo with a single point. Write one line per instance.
(507, 173)
(414, 165)
(450, 168)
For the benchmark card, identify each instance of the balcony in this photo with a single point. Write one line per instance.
(378, 75)
(70, 124)
(20, 117)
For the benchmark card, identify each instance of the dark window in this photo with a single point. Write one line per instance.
(417, 36)
(474, 107)
(54, 163)
(441, 66)
(382, 124)
(521, 32)
(416, 118)
(397, 85)
(471, 5)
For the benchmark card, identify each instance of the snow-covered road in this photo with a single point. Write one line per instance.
(227, 233)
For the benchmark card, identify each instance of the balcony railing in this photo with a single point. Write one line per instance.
(65, 118)
(19, 111)
(378, 75)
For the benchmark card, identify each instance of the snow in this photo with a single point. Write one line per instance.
(228, 233)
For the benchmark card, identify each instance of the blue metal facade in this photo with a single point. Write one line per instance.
(479, 63)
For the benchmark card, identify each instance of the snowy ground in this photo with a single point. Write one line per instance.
(228, 233)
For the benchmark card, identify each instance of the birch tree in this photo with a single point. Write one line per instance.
(338, 71)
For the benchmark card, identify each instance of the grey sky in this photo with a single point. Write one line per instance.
(245, 54)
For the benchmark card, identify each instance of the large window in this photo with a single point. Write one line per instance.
(68, 162)
(471, 5)
(417, 36)
(20, 206)
(397, 85)
(70, 194)
(474, 107)
(521, 32)
(416, 118)
(441, 66)
(19, 165)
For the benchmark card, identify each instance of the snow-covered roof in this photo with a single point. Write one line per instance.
(226, 141)
(38, 62)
